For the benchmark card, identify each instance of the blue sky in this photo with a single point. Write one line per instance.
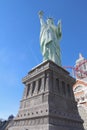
(20, 46)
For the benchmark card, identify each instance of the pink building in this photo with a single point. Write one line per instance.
(80, 88)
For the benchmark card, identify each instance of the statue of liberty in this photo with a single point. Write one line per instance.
(50, 36)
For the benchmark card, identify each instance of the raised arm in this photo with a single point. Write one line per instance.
(41, 18)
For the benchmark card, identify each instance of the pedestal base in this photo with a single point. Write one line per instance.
(48, 101)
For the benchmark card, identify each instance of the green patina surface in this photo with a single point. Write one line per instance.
(50, 36)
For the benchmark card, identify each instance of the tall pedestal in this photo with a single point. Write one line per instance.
(48, 101)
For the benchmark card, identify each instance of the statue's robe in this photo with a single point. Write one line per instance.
(50, 43)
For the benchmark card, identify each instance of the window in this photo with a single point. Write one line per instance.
(33, 87)
(78, 88)
(77, 100)
(28, 89)
(82, 98)
(63, 87)
(57, 84)
(39, 85)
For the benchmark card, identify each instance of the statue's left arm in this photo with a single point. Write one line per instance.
(59, 29)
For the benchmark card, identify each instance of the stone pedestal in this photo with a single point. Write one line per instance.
(48, 101)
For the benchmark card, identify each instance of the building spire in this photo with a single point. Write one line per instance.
(80, 56)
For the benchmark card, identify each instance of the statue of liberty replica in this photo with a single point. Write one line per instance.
(50, 36)
(48, 101)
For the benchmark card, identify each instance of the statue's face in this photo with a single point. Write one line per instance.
(49, 21)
